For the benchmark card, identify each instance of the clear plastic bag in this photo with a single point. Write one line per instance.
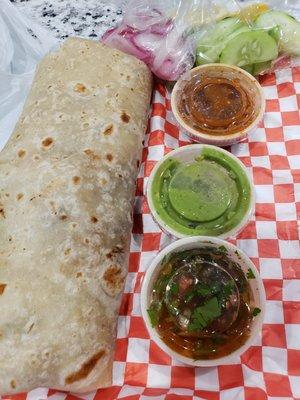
(23, 44)
(170, 36)
(156, 32)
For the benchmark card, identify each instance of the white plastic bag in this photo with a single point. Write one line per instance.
(22, 45)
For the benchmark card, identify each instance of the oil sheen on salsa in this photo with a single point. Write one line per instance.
(202, 304)
(216, 105)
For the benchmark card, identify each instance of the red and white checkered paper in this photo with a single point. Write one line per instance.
(270, 369)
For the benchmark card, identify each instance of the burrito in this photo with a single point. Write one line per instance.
(67, 182)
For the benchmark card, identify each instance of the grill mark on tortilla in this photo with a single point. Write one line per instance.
(47, 142)
(19, 196)
(85, 369)
(21, 153)
(2, 212)
(79, 87)
(2, 288)
(113, 277)
(109, 157)
(91, 154)
(115, 250)
(94, 219)
(108, 130)
(76, 180)
(125, 117)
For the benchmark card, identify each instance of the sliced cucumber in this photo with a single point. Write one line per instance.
(211, 43)
(211, 52)
(289, 30)
(248, 68)
(249, 48)
(275, 33)
(222, 29)
(261, 67)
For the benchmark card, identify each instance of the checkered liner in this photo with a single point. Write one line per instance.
(270, 369)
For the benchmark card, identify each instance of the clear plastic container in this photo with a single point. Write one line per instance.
(243, 85)
(235, 255)
(187, 155)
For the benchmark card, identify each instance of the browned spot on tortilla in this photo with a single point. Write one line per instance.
(86, 240)
(138, 163)
(19, 196)
(30, 328)
(7, 194)
(2, 288)
(125, 117)
(109, 157)
(103, 181)
(108, 130)
(94, 219)
(13, 384)
(79, 275)
(67, 251)
(76, 180)
(18, 135)
(63, 217)
(115, 250)
(47, 142)
(79, 87)
(128, 77)
(74, 225)
(120, 175)
(85, 369)
(91, 154)
(10, 239)
(37, 157)
(113, 276)
(2, 212)
(21, 153)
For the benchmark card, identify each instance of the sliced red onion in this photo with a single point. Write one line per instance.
(162, 28)
(147, 41)
(124, 44)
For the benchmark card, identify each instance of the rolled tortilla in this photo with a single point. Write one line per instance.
(67, 180)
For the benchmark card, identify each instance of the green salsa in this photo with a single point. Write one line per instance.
(208, 196)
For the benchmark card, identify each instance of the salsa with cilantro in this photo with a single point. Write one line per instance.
(202, 305)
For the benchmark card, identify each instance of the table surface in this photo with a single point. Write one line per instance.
(86, 18)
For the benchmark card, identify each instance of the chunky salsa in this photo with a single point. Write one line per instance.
(202, 305)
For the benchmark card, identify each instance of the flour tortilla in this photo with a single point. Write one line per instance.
(67, 181)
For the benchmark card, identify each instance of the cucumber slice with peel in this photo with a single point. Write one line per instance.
(249, 48)
(289, 30)
(212, 42)
(211, 53)
(222, 29)
(261, 67)
(248, 68)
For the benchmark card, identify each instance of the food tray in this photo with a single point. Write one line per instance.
(270, 369)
